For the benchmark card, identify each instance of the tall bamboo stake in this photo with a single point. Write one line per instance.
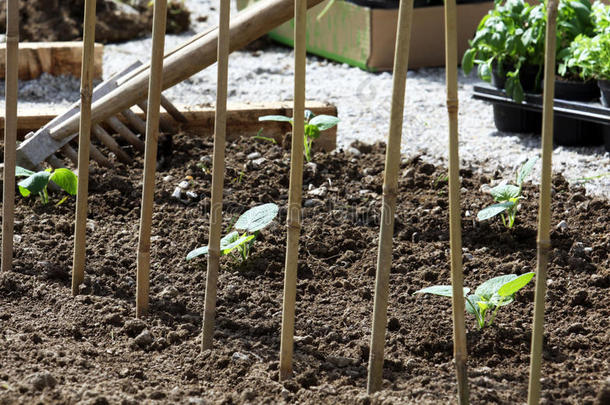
(10, 132)
(218, 167)
(293, 219)
(150, 156)
(390, 193)
(84, 143)
(455, 224)
(544, 210)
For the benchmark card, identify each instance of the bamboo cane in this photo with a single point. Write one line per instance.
(10, 132)
(293, 219)
(455, 224)
(150, 156)
(84, 143)
(218, 167)
(544, 210)
(390, 192)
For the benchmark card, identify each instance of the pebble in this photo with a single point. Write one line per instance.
(42, 380)
(144, 338)
(169, 292)
(318, 192)
(259, 162)
(562, 226)
(253, 156)
(352, 151)
(312, 202)
(240, 357)
(17, 239)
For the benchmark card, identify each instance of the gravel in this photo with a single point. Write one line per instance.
(363, 101)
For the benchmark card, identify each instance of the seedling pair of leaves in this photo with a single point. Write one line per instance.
(488, 297)
(238, 243)
(37, 182)
(507, 197)
(314, 124)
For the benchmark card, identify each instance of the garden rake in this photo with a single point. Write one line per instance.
(117, 95)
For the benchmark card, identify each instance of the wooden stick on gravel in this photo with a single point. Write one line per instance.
(455, 223)
(10, 132)
(390, 192)
(84, 143)
(150, 156)
(293, 219)
(544, 210)
(218, 167)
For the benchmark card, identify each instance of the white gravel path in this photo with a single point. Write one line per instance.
(362, 99)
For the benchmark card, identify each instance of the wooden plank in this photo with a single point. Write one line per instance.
(242, 120)
(56, 58)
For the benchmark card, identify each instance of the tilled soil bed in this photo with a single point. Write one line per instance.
(60, 349)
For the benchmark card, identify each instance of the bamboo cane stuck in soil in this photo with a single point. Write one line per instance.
(460, 353)
(84, 144)
(218, 167)
(10, 132)
(390, 192)
(293, 219)
(150, 156)
(544, 209)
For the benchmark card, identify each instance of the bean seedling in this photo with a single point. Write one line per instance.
(37, 182)
(507, 197)
(238, 243)
(488, 297)
(314, 124)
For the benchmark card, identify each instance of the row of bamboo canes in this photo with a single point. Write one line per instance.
(293, 222)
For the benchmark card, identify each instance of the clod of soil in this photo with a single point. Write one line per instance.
(117, 21)
(90, 348)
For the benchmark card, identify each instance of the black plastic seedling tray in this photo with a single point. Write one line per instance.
(576, 123)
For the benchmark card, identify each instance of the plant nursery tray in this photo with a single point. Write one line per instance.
(588, 121)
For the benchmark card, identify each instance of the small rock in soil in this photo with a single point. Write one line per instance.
(144, 339)
(562, 226)
(253, 155)
(339, 361)
(312, 202)
(41, 380)
(133, 327)
(240, 357)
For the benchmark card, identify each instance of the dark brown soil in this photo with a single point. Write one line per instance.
(60, 349)
(62, 20)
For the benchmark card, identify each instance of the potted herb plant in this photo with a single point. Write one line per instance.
(508, 50)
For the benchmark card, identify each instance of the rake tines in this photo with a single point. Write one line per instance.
(128, 127)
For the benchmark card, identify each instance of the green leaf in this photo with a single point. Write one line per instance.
(443, 290)
(278, 118)
(500, 301)
(504, 192)
(493, 210)
(24, 191)
(232, 241)
(526, 169)
(257, 218)
(311, 131)
(468, 61)
(66, 180)
(324, 122)
(491, 286)
(511, 287)
(227, 244)
(471, 301)
(200, 251)
(22, 172)
(35, 183)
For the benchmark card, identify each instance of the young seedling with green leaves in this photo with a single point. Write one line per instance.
(314, 124)
(37, 182)
(507, 197)
(238, 243)
(488, 297)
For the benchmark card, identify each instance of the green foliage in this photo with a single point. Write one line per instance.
(511, 35)
(37, 182)
(507, 197)
(238, 243)
(314, 124)
(488, 297)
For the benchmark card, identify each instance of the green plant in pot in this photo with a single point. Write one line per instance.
(508, 47)
(575, 18)
(590, 56)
